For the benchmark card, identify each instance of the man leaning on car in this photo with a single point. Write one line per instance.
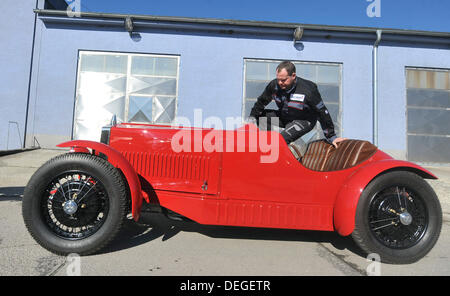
(299, 106)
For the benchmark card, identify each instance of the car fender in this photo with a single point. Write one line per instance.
(118, 161)
(348, 196)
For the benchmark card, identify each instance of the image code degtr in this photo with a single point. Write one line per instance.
(226, 286)
(247, 285)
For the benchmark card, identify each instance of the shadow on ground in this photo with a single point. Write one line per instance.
(11, 193)
(157, 226)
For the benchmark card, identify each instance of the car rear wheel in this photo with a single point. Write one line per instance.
(75, 203)
(398, 217)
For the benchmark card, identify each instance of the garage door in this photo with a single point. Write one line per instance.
(428, 115)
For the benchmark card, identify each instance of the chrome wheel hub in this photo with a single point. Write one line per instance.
(70, 207)
(405, 218)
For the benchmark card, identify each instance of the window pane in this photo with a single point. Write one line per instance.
(140, 109)
(163, 109)
(92, 63)
(425, 121)
(306, 71)
(257, 71)
(272, 73)
(104, 63)
(254, 89)
(429, 149)
(117, 107)
(141, 65)
(415, 79)
(334, 112)
(116, 64)
(328, 74)
(248, 107)
(428, 98)
(442, 80)
(154, 66)
(329, 93)
(166, 67)
(153, 85)
(432, 79)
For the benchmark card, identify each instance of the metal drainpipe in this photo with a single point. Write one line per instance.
(30, 77)
(375, 87)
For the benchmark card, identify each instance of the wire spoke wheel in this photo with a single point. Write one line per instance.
(398, 217)
(75, 205)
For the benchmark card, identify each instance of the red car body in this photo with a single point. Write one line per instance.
(234, 187)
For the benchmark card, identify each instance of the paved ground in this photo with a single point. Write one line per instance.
(157, 246)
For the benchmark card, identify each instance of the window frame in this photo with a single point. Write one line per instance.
(128, 76)
(338, 131)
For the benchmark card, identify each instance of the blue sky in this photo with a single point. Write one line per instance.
(428, 15)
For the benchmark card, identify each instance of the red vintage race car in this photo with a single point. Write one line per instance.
(77, 202)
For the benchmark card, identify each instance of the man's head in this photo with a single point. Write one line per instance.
(286, 74)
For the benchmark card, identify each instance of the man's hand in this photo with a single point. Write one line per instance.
(337, 140)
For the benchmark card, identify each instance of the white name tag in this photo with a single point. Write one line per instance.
(298, 97)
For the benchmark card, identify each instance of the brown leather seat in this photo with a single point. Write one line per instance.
(322, 156)
(316, 155)
(296, 151)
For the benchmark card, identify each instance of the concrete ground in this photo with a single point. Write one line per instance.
(157, 246)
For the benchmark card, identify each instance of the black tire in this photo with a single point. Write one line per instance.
(75, 203)
(398, 217)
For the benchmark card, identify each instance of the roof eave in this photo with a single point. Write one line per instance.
(274, 26)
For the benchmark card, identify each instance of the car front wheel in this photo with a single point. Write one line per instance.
(74, 203)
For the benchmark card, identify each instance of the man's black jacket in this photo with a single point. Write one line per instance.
(301, 102)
